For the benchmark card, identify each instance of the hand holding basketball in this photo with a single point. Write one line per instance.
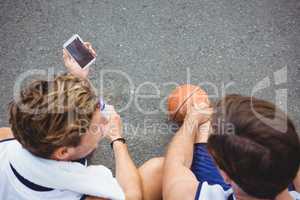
(183, 98)
(198, 114)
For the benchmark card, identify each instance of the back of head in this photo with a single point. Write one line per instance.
(52, 113)
(255, 144)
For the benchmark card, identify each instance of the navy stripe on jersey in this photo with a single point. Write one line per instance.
(28, 183)
(198, 191)
(81, 161)
(34, 186)
(231, 197)
(6, 140)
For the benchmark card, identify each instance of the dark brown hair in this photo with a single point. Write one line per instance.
(261, 152)
(53, 113)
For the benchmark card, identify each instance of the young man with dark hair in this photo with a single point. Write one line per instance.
(244, 148)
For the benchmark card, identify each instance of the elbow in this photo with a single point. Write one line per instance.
(134, 195)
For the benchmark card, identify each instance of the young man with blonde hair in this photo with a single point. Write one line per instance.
(55, 125)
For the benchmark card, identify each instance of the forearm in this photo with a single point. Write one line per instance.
(127, 173)
(179, 182)
(177, 174)
(204, 132)
(180, 149)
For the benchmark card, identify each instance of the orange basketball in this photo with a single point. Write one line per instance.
(182, 97)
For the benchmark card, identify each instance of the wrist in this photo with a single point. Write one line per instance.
(119, 147)
(190, 126)
(117, 142)
(112, 138)
(205, 128)
(203, 133)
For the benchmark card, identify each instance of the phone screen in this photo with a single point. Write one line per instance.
(79, 52)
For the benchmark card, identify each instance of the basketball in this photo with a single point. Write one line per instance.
(182, 97)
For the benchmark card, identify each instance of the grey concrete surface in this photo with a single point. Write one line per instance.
(221, 42)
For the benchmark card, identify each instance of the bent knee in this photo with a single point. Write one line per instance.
(157, 162)
(153, 165)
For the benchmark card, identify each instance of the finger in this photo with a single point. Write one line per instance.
(204, 103)
(202, 115)
(208, 101)
(110, 111)
(93, 51)
(86, 69)
(203, 112)
(200, 106)
(66, 54)
(88, 44)
(66, 58)
(90, 48)
(104, 129)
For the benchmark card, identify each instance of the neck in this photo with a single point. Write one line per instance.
(246, 197)
(285, 195)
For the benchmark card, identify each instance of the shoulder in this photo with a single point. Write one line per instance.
(6, 138)
(295, 195)
(5, 134)
(200, 191)
(213, 192)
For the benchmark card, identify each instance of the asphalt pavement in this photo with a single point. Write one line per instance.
(147, 47)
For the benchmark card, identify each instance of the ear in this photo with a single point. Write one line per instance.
(226, 178)
(63, 153)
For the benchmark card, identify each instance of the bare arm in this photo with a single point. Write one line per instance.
(126, 172)
(179, 182)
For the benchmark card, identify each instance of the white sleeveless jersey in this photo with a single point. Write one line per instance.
(24, 176)
(216, 192)
(11, 188)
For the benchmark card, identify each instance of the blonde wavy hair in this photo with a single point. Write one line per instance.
(52, 113)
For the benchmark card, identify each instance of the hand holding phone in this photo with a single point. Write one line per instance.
(78, 56)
